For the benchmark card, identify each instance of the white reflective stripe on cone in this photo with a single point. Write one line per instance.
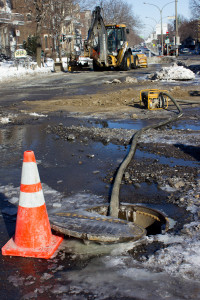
(30, 173)
(31, 199)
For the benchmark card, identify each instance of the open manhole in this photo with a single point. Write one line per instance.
(133, 223)
(152, 220)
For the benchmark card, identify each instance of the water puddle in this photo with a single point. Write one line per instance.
(172, 162)
(193, 125)
(72, 176)
(132, 124)
(87, 162)
(73, 167)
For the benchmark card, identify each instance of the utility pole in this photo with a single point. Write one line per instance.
(176, 35)
(161, 31)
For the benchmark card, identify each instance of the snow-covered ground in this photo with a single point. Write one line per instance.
(170, 273)
(10, 70)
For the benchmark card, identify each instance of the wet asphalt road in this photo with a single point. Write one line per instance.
(27, 278)
(48, 86)
(22, 277)
(62, 84)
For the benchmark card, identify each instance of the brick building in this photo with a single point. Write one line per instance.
(75, 29)
(18, 22)
(9, 22)
(29, 27)
(85, 19)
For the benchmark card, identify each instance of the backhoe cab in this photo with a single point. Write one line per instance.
(117, 48)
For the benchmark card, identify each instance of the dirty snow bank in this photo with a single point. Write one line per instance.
(4, 120)
(194, 66)
(174, 72)
(181, 254)
(172, 272)
(8, 70)
(127, 80)
(13, 118)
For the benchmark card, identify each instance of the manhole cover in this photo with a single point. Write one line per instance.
(88, 226)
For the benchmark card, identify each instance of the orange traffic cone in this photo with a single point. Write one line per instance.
(33, 237)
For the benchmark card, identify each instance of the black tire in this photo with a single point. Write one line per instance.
(135, 63)
(96, 67)
(126, 62)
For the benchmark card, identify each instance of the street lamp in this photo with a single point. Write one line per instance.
(159, 19)
(153, 28)
(152, 19)
(160, 10)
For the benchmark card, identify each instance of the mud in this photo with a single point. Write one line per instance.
(80, 142)
(120, 103)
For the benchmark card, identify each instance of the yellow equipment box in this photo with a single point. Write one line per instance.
(153, 99)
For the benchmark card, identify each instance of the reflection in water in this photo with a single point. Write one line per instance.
(78, 271)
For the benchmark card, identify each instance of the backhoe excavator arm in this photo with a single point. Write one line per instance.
(96, 44)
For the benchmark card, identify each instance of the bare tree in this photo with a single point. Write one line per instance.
(88, 4)
(195, 8)
(49, 15)
(120, 12)
(39, 16)
(116, 12)
(188, 30)
(56, 16)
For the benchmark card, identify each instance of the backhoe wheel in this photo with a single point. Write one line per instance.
(135, 64)
(126, 62)
(96, 67)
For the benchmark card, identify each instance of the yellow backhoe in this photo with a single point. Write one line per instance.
(108, 47)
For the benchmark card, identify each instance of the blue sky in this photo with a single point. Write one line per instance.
(143, 10)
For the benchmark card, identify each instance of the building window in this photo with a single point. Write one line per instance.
(29, 18)
(46, 41)
(1, 4)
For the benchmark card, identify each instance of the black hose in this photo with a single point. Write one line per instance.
(114, 201)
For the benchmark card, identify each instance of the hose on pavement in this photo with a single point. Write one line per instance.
(114, 200)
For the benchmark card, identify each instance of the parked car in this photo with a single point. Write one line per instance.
(4, 57)
(197, 51)
(185, 50)
(172, 52)
(137, 51)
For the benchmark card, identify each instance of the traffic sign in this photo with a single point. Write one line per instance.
(20, 53)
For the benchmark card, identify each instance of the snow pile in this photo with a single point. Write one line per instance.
(131, 79)
(127, 80)
(8, 70)
(113, 81)
(174, 72)
(4, 120)
(54, 199)
(7, 7)
(34, 114)
(49, 63)
(182, 255)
